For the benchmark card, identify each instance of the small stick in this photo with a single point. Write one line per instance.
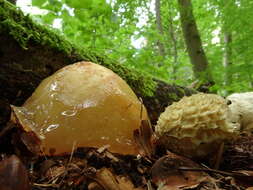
(234, 174)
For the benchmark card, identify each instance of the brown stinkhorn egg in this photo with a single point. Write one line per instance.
(83, 105)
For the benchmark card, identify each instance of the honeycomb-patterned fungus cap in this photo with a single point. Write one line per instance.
(196, 125)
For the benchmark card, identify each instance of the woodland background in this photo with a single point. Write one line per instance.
(152, 36)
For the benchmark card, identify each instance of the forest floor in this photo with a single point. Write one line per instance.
(99, 169)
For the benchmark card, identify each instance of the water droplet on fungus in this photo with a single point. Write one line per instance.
(86, 103)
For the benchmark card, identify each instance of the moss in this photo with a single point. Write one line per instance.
(23, 30)
(182, 92)
(173, 96)
(26, 32)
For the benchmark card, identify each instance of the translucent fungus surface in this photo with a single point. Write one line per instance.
(83, 105)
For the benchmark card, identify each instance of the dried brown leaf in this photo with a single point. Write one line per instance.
(55, 172)
(125, 183)
(166, 173)
(13, 175)
(46, 165)
(246, 177)
(109, 181)
(95, 186)
(238, 154)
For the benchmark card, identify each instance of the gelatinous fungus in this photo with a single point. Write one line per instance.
(83, 105)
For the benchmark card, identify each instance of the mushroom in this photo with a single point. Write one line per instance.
(241, 110)
(83, 105)
(196, 125)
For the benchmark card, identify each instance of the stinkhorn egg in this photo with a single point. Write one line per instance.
(83, 105)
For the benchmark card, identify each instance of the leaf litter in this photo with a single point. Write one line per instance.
(97, 168)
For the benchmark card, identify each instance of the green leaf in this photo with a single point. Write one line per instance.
(49, 18)
(85, 4)
(54, 5)
(38, 3)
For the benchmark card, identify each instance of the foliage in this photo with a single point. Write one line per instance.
(113, 27)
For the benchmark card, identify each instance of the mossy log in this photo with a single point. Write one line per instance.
(29, 52)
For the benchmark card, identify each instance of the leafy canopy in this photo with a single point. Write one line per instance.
(126, 30)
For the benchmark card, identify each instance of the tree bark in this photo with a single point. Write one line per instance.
(30, 52)
(250, 80)
(159, 27)
(174, 46)
(227, 61)
(193, 42)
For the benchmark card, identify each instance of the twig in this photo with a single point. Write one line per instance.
(45, 185)
(70, 159)
(234, 174)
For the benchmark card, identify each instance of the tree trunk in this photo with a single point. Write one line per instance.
(159, 27)
(174, 46)
(193, 42)
(250, 79)
(227, 62)
(29, 53)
